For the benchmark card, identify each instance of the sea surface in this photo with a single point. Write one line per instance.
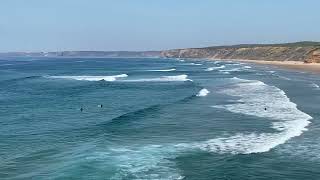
(153, 118)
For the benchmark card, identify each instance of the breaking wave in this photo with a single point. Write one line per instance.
(193, 64)
(235, 69)
(261, 100)
(283, 77)
(154, 161)
(91, 78)
(121, 77)
(314, 85)
(231, 70)
(162, 70)
(177, 78)
(203, 92)
(215, 68)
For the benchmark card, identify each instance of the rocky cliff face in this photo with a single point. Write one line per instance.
(278, 52)
(315, 56)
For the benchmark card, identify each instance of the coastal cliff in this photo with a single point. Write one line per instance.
(300, 51)
(315, 56)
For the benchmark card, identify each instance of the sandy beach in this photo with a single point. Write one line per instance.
(295, 65)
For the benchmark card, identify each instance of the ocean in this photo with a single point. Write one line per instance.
(155, 118)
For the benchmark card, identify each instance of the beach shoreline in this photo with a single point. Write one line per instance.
(293, 65)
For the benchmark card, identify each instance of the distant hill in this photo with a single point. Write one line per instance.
(84, 54)
(294, 44)
(306, 51)
(299, 51)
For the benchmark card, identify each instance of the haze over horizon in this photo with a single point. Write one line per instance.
(140, 25)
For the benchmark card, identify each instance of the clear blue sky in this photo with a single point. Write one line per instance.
(51, 25)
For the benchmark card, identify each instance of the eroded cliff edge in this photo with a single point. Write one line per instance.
(300, 51)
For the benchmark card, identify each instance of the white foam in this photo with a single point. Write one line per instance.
(283, 77)
(163, 70)
(146, 162)
(177, 78)
(236, 69)
(254, 95)
(215, 68)
(236, 79)
(153, 161)
(203, 92)
(233, 64)
(193, 64)
(314, 85)
(91, 78)
(231, 70)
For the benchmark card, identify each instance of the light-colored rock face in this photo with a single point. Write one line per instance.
(316, 56)
(316, 52)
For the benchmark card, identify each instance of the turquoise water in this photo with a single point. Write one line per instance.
(160, 119)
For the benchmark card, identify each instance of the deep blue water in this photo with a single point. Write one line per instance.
(160, 119)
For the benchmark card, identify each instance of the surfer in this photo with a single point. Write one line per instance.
(81, 109)
(100, 105)
(265, 108)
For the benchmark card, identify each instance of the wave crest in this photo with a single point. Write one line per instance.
(261, 100)
(193, 64)
(203, 92)
(215, 68)
(162, 70)
(314, 85)
(176, 78)
(153, 160)
(91, 78)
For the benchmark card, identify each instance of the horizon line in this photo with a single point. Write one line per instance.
(311, 43)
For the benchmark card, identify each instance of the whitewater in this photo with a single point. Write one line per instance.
(135, 118)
